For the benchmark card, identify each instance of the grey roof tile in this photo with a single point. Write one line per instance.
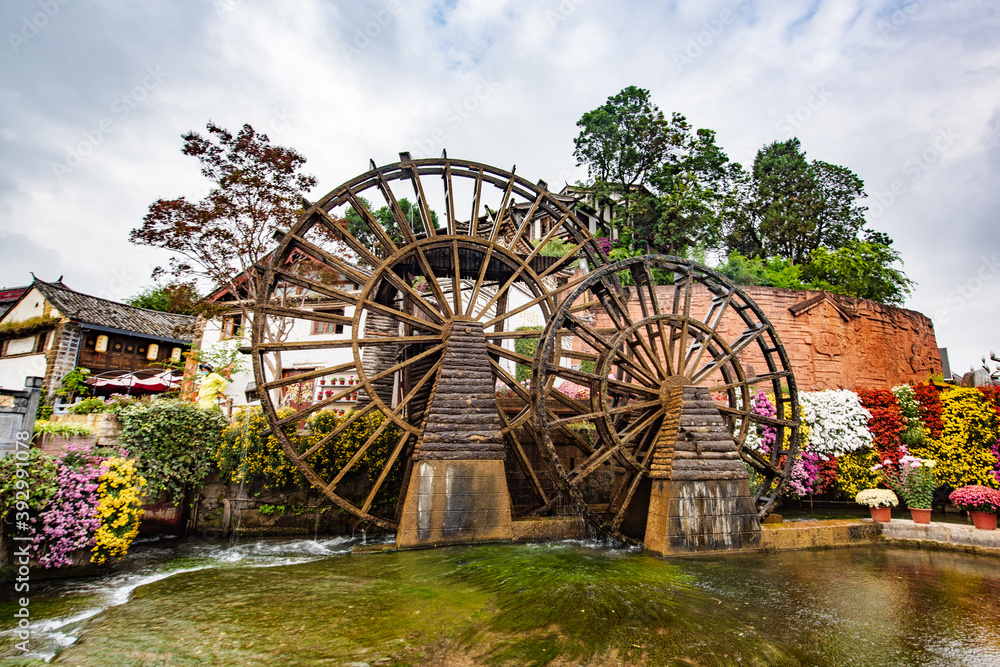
(102, 312)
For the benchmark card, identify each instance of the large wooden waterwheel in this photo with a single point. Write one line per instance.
(421, 271)
(676, 324)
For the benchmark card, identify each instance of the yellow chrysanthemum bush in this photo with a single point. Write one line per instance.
(854, 471)
(963, 454)
(119, 509)
(245, 457)
(331, 458)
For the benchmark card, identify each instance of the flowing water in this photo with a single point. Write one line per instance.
(278, 602)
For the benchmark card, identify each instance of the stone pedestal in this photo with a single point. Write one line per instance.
(457, 491)
(451, 502)
(700, 497)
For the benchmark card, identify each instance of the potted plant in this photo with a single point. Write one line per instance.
(913, 480)
(342, 380)
(880, 502)
(981, 502)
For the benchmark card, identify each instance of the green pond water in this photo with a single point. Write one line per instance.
(309, 602)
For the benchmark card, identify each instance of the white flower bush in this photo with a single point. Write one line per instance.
(877, 498)
(838, 421)
(908, 404)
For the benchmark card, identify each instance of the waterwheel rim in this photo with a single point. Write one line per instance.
(455, 289)
(643, 340)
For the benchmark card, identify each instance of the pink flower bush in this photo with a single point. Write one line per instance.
(573, 390)
(70, 519)
(976, 498)
(762, 405)
(805, 475)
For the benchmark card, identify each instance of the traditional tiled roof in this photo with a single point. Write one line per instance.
(113, 315)
(9, 296)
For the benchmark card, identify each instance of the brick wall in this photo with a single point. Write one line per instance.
(865, 344)
(832, 342)
(61, 357)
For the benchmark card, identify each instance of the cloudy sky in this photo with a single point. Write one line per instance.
(95, 95)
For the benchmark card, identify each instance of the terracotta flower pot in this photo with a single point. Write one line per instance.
(920, 515)
(984, 520)
(881, 514)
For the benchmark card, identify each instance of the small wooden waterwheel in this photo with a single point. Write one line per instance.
(426, 294)
(643, 329)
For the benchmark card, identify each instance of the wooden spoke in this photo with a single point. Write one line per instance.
(388, 245)
(342, 233)
(400, 316)
(333, 344)
(385, 471)
(757, 379)
(317, 287)
(476, 197)
(501, 213)
(456, 278)
(308, 375)
(629, 335)
(332, 435)
(534, 302)
(449, 201)
(730, 354)
(397, 213)
(346, 268)
(425, 214)
(311, 315)
(362, 450)
(624, 503)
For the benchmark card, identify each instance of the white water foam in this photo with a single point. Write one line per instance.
(53, 635)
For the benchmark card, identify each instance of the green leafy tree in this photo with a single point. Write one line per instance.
(774, 272)
(257, 189)
(177, 297)
(411, 212)
(862, 269)
(526, 347)
(788, 206)
(668, 183)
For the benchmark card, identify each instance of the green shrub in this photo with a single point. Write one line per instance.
(174, 443)
(39, 473)
(526, 347)
(88, 406)
(45, 427)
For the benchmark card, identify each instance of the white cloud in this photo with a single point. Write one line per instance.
(503, 83)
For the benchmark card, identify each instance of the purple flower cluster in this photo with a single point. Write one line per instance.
(805, 474)
(995, 448)
(604, 243)
(763, 406)
(69, 520)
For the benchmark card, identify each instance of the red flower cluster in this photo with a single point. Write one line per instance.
(929, 399)
(992, 396)
(886, 422)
